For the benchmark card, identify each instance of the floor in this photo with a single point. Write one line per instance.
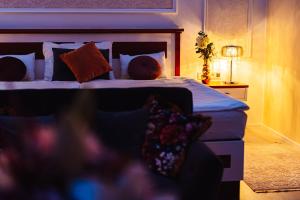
(254, 134)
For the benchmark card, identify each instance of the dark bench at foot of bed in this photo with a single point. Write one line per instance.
(51, 101)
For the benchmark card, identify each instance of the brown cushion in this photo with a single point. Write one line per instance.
(86, 63)
(144, 68)
(11, 69)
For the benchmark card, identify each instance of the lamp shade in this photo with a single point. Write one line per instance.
(232, 51)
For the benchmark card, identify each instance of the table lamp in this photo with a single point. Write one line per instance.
(232, 52)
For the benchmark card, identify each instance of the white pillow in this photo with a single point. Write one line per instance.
(125, 60)
(29, 62)
(48, 54)
(107, 45)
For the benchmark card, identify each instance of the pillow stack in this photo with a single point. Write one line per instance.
(61, 72)
(86, 63)
(75, 61)
(82, 62)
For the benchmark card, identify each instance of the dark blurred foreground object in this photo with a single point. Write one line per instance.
(200, 174)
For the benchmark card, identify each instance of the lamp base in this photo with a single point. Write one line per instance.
(230, 82)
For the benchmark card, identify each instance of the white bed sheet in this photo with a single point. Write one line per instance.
(205, 99)
(41, 84)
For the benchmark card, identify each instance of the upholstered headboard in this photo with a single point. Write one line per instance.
(123, 47)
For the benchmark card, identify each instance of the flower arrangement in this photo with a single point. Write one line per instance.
(206, 50)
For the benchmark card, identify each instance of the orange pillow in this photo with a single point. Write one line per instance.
(86, 63)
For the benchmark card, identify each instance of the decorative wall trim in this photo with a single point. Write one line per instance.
(245, 41)
(84, 8)
(91, 31)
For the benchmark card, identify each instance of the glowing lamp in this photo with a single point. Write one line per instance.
(232, 52)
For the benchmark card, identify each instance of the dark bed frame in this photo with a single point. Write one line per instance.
(229, 190)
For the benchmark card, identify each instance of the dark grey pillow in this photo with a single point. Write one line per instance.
(123, 131)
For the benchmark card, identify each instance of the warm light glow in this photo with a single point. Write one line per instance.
(219, 66)
(232, 51)
(215, 65)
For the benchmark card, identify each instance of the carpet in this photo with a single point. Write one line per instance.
(272, 166)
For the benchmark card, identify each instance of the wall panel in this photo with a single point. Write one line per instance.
(282, 93)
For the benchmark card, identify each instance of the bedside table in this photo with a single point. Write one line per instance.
(237, 90)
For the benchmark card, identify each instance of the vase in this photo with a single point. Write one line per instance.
(205, 77)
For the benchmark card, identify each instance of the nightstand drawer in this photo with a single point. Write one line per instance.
(238, 93)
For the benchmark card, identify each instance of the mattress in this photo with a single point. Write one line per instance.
(205, 99)
(226, 125)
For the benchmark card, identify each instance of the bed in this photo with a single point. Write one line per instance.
(225, 137)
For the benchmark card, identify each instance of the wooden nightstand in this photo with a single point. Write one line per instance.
(237, 91)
